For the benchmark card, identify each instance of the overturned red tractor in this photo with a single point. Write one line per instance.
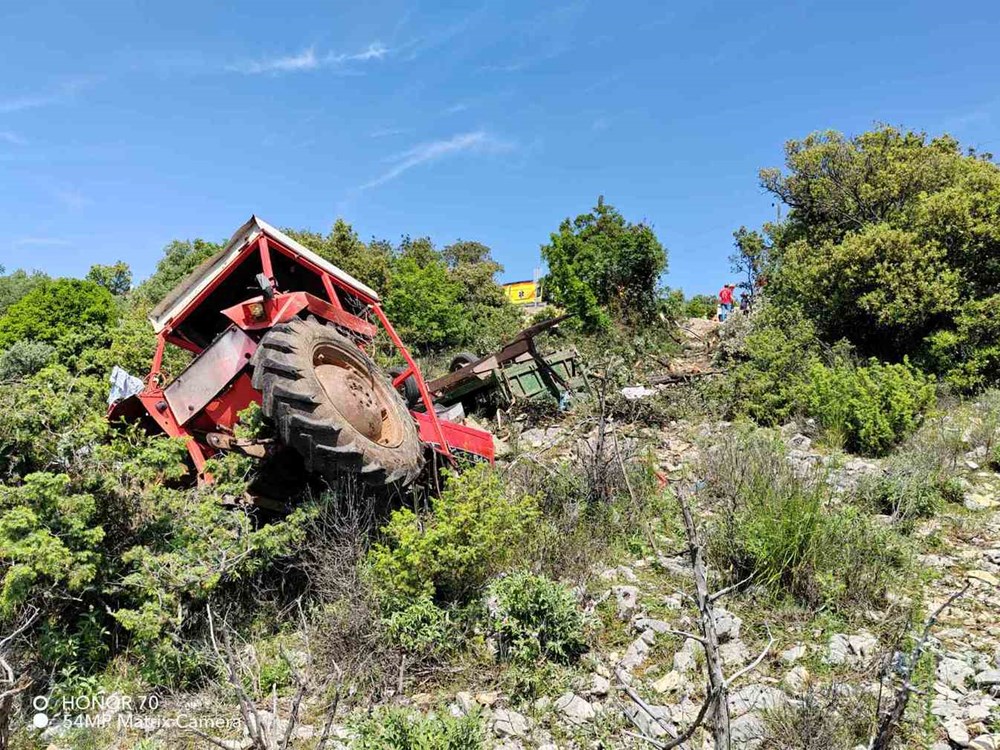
(271, 322)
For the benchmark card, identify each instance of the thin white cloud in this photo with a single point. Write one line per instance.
(308, 59)
(305, 60)
(12, 138)
(374, 51)
(425, 153)
(31, 101)
(60, 94)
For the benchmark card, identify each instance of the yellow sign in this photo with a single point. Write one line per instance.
(521, 292)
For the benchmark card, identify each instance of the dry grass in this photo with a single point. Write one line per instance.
(838, 718)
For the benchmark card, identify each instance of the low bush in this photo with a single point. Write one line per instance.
(779, 527)
(905, 496)
(402, 729)
(832, 720)
(421, 628)
(957, 433)
(593, 505)
(535, 618)
(25, 358)
(867, 409)
(769, 364)
(476, 530)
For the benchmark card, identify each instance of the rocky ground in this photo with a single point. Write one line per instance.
(645, 680)
(647, 677)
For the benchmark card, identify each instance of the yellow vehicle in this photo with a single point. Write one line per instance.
(521, 292)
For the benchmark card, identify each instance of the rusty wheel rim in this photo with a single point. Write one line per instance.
(358, 395)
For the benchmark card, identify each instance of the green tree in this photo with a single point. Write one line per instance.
(71, 314)
(892, 240)
(424, 301)
(116, 278)
(602, 267)
(180, 257)
(15, 285)
(490, 318)
(750, 258)
(369, 263)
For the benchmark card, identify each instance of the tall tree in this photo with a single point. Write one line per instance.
(180, 257)
(368, 263)
(16, 284)
(602, 267)
(892, 241)
(116, 278)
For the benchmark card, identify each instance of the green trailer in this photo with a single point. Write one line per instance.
(517, 372)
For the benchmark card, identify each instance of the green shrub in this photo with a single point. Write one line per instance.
(475, 531)
(274, 667)
(72, 315)
(904, 496)
(48, 421)
(968, 357)
(402, 729)
(25, 358)
(769, 365)
(49, 537)
(780, 528)
(827, 720)
(871, 408)
(700, 306)
(535, 618)
(421, 627)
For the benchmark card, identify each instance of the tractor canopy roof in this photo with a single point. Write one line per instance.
(193, 308)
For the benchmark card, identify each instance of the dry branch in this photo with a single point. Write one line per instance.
(890, 722)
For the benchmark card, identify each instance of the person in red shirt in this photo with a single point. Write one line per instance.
(726, 301)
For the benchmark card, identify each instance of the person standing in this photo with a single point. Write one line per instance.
(726, 301)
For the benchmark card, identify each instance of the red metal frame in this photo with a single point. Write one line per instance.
(260, 313)
(284, 307)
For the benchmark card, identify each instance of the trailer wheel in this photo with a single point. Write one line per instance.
(334, 406)
(462, 359)
(408, 389)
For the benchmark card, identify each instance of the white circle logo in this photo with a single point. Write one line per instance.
(40, 702)
(40, 720)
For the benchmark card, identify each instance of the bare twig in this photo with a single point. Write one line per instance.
(717, 686)
(730, 589)
(889, 724)
(650, 740)
(685, 634)
(22, 683)
(637, 699)
(331, 712)
(752, 665)
(248, 711)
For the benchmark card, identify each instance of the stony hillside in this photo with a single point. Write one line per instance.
(800, 674)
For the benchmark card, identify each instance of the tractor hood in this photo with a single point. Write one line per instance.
(188, 291)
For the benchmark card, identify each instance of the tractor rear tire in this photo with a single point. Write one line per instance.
(334, 406)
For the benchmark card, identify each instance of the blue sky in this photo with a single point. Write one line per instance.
(124, 125)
